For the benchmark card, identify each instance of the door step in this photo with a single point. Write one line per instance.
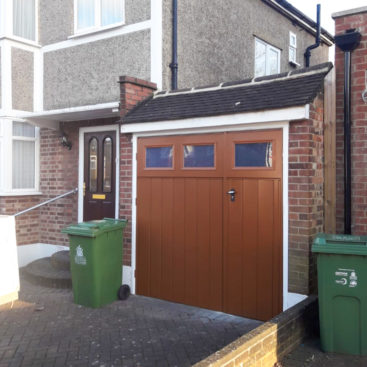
(52, 272)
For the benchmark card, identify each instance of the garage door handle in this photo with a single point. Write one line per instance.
(232, 192)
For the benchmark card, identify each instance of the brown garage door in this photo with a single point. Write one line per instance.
(209, 221)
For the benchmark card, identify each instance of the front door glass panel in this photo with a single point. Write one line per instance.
(107, 164)
(93, 165)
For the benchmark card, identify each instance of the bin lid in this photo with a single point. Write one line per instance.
(340, 244)
(95, 228)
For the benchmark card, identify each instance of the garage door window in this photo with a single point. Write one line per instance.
(253, 155)
(196, 156)
(159, 157)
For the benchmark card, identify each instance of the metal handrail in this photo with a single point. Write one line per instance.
(47, 202)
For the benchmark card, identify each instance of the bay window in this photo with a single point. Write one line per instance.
(19, 158)
(96, 14)
(24, 19)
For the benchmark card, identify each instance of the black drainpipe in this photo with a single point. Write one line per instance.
(174, 65)
(317, 41)
(347, 42)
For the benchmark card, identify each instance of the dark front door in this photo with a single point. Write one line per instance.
(99, 175)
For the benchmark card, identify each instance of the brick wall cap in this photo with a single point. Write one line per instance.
(346, 13)
(136, 81)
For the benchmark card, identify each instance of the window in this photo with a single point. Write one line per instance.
(94, 14)
(159, 157)
(24, 19)
(292, 48)
(24, 154)
(267, 59)
(198, 156)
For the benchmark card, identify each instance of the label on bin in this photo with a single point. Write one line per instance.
(79, 257)
(346, 277)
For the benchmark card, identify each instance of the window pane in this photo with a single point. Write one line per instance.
(254, 155)
(86, 10)
(23, 129)
(199, 155)
(93, 165)
(273, 61)
(159, 157)
(107, 165)
(111, 12)
(24, 19)
(260, 58)
(292, 54)
(23, 164)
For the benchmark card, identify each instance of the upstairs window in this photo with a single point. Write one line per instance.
(292, 48)
(267, 59)
(24, 19)
(94, 14)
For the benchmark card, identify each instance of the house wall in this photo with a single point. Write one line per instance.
(56, 18)
(216, 40)
(94, 67)
(358, 128)
(22, 73)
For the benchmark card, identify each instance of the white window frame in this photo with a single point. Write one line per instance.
(7, 6)
(6, 160)
(268, 49)
(97, 17)
(293, 46)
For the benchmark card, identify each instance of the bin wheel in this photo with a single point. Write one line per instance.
(124, 292)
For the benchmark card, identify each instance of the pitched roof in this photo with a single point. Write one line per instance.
(296, 88)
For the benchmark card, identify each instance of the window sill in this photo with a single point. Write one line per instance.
(21, 193)
(21, 40)
(96, 30)
(294, 63)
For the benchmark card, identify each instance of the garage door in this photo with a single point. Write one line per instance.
(209, 221)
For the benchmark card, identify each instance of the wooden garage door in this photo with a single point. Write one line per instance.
(209, 221)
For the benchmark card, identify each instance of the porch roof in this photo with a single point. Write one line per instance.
(280, 91)
(52, 118)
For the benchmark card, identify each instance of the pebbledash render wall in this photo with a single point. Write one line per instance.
(355, 18)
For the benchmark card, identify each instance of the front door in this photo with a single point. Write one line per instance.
(99, 175)
(209, 221)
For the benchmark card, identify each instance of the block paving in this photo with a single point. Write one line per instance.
(45, 328)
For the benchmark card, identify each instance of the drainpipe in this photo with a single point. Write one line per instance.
(317, 41)
(347, 42)
(174, 65)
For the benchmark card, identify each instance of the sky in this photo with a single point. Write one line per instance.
(327, 8)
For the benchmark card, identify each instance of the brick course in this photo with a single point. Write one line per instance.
(358, 128)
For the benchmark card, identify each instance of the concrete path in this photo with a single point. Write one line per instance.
(45, 328)
(309, 354)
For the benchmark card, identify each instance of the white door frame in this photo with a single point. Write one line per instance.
(91, 129)
(284, 125)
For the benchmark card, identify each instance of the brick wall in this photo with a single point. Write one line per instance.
(358, 128)
(132, 91)
(305, 196)
(27, 225)
(268, 343)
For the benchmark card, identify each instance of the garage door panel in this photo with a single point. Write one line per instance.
(250, 224)
(143, 235)
(265, 249)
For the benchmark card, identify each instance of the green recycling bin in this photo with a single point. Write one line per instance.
(342, 282)
(96, 261)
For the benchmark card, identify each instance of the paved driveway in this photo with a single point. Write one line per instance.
(45, 328)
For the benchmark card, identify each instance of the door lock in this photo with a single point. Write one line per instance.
(232, 192)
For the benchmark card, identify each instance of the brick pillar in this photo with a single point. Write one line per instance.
(306, 215)
(344, 21)
(132, 91)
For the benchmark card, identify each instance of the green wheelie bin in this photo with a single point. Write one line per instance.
(342, 282)
(96, 261)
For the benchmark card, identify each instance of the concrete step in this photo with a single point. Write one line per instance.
(43, 272)
(61, 260)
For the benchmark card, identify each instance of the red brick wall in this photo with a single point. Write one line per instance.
(358, 128)
(132, 91)
(305, 196)
(27, 225)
